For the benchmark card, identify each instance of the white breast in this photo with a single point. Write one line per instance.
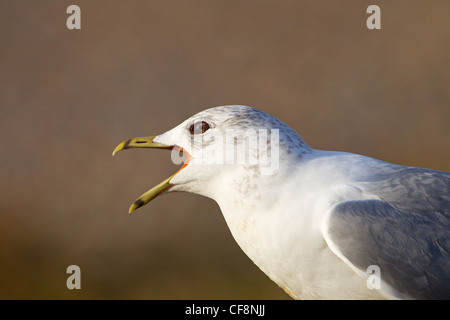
(282, 235)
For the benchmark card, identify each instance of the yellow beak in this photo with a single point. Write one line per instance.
(140, 142)
(147, 142)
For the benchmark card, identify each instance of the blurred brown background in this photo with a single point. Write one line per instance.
(137, 68)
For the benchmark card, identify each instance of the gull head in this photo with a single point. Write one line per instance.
(227, 143)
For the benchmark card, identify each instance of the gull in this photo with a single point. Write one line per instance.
(322, 224)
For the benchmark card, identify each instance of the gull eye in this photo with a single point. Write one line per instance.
(199, 126)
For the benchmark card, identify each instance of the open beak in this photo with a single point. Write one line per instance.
(147, 142)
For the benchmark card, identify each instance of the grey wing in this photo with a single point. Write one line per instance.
(407, 237)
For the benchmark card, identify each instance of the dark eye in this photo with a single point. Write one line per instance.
(199, 126)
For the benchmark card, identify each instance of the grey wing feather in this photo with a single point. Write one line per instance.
(406, 232)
